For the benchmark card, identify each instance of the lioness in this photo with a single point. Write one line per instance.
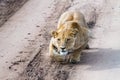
(70, 38)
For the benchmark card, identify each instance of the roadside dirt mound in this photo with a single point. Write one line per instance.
(8, 8)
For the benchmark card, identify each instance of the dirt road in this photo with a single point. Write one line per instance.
(24, 40)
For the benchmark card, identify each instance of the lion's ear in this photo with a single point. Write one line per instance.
(54, 34)
(75, 25)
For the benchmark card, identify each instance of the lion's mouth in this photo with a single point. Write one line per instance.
(63, 52)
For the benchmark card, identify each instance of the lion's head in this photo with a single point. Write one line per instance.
(65, 37)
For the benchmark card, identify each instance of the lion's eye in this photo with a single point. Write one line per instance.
(68, 39)
(58, 39)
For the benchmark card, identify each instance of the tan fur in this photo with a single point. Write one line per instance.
(72, 34)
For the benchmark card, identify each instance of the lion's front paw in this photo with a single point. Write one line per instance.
(74, 60)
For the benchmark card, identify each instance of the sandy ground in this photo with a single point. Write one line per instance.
(24, 40)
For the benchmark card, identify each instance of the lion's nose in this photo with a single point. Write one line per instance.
(62, 48)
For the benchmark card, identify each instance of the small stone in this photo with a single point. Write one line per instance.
(37, 26)
(39, 34)
(29, 33)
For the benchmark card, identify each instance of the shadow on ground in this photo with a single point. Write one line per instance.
(101, 59)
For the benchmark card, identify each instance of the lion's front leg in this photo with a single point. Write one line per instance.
(51, 50)
(75, 57)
